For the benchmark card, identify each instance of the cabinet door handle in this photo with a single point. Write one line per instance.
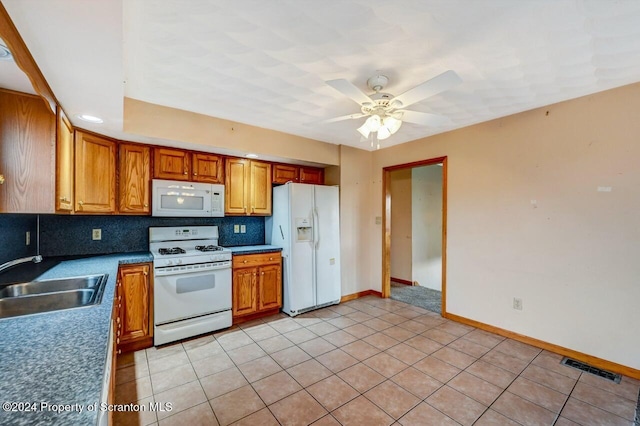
(118, 340)
(145, 273)
(146, 205)
(80, 203)
(118, 320)
(244, 261)
(262, 273)
(195, 174)
(1, 179)
(186, 172)
(253, 209)
(119, 351)
(271, 258)
(245, 209)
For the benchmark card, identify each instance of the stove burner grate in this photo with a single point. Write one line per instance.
(208, 248)
(174, 250)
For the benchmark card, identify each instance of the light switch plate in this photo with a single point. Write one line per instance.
(236, 229)
(96, 234)
(243, 229)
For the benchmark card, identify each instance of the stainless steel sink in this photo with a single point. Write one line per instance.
(51, 295)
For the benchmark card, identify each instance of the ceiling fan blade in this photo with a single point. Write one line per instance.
(438, 84)
(345, 117)
(424, 118)
(348, 89)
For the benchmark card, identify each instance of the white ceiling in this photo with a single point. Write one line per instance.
(265, 62)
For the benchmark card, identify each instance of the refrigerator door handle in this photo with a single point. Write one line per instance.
(316, 231)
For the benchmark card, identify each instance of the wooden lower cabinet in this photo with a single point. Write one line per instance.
(257, 285)
(134, 296)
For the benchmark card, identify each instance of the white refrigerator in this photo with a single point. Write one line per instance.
(305, 223)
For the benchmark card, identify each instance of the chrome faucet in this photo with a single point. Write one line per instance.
(34, 259)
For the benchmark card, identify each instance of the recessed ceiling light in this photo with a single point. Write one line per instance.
(252, 156)
(5, 53)
(90, 118)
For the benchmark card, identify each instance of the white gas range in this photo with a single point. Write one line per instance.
(192, 282)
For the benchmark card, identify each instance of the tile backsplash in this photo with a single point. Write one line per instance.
(13, 229)
(71, 235)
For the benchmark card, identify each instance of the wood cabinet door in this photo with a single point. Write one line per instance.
(244, 291)
(236, 184)
(283, 173)
(134, 177)
(207, 168)
(64, 163)
(172, 164)
(312, 175)
(27, 154)
(95, 174)
(260, 192)
(136, 306)
(269, 287)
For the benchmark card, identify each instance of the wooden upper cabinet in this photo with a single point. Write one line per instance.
(176, 164)
(247, 187)
(207, 168)
(260, 188)
(134, 177)
(312, 175)
(27, 154)
(95, 179)
(64, 163)
(172, 164)
(283, 173)
(236, 186)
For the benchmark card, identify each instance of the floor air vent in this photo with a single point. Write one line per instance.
(592, 370)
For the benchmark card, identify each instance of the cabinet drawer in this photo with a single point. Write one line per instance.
(248, 260)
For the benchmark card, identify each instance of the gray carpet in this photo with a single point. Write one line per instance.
(418, 296)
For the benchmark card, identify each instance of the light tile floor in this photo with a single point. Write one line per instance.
(370, 361)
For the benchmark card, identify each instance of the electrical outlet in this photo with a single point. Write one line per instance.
(243, 229)
(517, 304)
(28, 238)
(96, 234)
(236, 229)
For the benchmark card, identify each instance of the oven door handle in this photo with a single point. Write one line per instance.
(170, 270)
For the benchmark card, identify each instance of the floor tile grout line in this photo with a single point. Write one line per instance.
(507, 387)
(566, 400)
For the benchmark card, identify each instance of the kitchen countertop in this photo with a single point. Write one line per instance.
(265, 248)
(59, 357)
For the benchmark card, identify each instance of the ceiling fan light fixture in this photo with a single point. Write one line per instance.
(383, 133)
(373, 123)
(391, 123)
(364, 130)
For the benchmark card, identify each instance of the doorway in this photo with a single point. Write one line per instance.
(414, 217)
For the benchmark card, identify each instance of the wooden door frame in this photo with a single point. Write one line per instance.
(386, 221)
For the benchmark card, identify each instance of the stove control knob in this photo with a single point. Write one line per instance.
(179, 261)
(169, 262)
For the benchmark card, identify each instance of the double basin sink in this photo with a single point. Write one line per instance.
(51, 295)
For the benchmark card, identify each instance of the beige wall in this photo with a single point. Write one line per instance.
(151, 120)
(356, 222)
(526, 220)
(401, 224)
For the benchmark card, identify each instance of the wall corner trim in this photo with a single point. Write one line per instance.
(359, 294)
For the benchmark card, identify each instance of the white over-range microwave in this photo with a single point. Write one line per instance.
(187, 199)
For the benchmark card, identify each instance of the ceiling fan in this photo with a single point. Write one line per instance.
(387, 112)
